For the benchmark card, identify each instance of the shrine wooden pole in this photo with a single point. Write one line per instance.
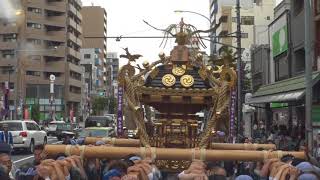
(136, 143)
(114, 141)
(167, 153)
(239, 146)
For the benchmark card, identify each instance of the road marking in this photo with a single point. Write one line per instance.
(58, 142)
(23, 159)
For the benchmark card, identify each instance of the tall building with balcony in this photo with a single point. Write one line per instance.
(90, 60)
(94, 36)
(255, 18)
(40, 38)
(113, 60)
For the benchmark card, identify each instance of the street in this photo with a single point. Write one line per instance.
(22, 157)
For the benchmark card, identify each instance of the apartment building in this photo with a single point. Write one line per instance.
(40, 38)
(90, 60)
(255, 17)
(94, 36)
(282, 95)
(113, 60)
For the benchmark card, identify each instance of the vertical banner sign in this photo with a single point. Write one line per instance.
(119, 116)
(6, 99)
(232, 113)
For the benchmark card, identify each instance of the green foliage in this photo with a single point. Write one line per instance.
(35, 112)
(99, 104)
(112, 105)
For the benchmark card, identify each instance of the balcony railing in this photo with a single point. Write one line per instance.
(72, 23)
(72, 9)
(56, 36)
(8, 45)
(59, 6)
(8, 29)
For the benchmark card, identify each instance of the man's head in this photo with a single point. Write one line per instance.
(287, 158)
(5, 160)
(38, 154)
(5, 127)
(67, 137)
(217, 170)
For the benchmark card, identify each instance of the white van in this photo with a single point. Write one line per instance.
(52, 127)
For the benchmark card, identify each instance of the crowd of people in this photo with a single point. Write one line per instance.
(133, 167)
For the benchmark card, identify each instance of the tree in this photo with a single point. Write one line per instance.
(35, 112)
(99, 104)
(112, 102)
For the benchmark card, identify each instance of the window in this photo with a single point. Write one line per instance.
(36, 127)
(9, 37)
(317, 6)
(30, 126)
(33, 73)
(281, 67)
(87, 56)
(34, 41)
(14, 126)
(11, 85)
(247, 20)
(268, 18)
(223, 33)
(8, 54)
(224, 19)
(234, 19)
(34, 10)
(244, 35)
(297, 6)
(299, 61)
(7, 69)
(34, 25)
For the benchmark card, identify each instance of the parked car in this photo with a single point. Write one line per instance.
(96, 132)
(100, 121)
(66, 127)
(26, 134)
(52, 127)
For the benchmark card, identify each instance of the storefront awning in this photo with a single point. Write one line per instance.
(292, 89)
(281, 97)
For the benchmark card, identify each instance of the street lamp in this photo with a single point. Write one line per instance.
(52, 113)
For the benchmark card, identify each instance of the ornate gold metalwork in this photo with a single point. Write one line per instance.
(203, 73)
(228, 75)
(126, 70)
(154, 73)
(217, 71)
(221, 80)
(186, 81)
(145, 64)
(178, 71)
(212, 92)
(168, 80)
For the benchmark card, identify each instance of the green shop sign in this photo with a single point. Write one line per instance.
(316, 113)
(280, 41)
(278, 105)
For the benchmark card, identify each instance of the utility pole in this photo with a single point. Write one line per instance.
(308, 74)
(239, 69)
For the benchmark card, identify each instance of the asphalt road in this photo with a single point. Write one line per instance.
(22, 157)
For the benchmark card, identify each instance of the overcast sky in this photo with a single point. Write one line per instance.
(124, 17)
